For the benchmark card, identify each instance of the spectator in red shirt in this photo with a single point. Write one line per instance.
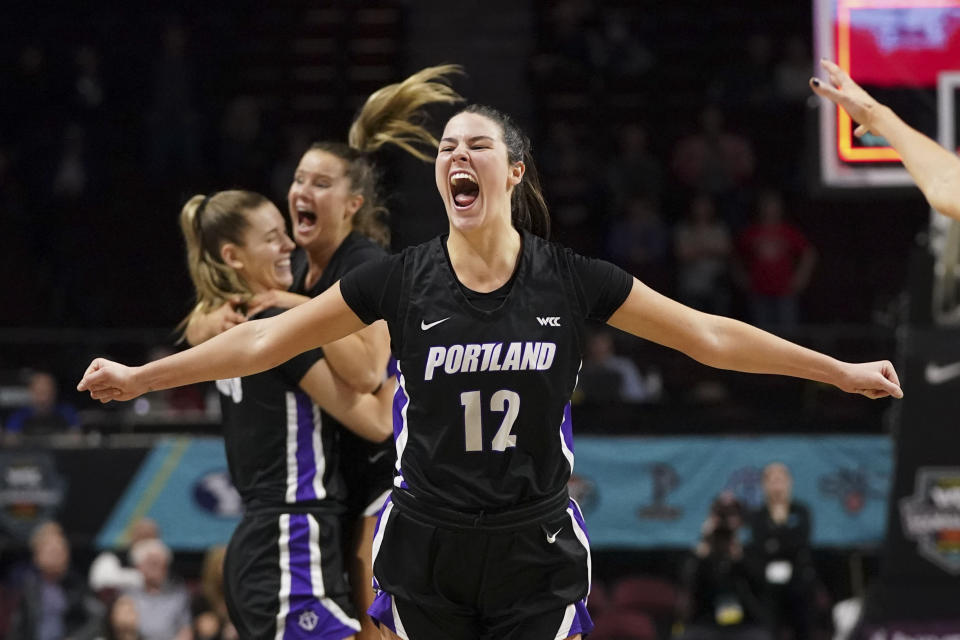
(777, 261)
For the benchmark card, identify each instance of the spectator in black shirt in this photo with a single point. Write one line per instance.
(781, 548)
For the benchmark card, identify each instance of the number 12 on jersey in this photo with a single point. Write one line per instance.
(503, 401)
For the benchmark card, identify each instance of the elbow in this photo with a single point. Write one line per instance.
(948, 206)
(709, 346)
(365, 380)
(944, 195)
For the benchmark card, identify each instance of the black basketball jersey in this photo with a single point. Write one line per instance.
(280, 451)
(364, 479)
(354, 251)
(482, 408)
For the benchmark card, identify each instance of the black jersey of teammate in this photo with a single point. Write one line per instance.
(355, 454)
(279, 447)
(482, 411)
(352, 252)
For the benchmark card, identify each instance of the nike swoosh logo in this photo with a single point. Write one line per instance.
(937, 374)
(376, 456)
(553, 538)
(424, 326)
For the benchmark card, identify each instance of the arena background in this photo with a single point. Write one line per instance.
(112, 116)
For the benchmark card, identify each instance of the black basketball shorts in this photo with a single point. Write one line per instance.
(284, 579)
(522, 574)
(367, 469)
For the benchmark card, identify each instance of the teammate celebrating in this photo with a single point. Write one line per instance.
(336, 214)
(480, 538)
(284, 565)
(935, 170)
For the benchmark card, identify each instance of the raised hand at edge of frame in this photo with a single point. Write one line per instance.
(203, 326)
(843, 91)
(871, 379)
(107, 380)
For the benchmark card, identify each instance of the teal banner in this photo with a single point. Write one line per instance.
(182, 484)
(656, 492)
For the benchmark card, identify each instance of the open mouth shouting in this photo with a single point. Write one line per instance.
(306, 220)
(464, 189)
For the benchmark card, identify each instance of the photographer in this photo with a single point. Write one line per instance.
(721, 589)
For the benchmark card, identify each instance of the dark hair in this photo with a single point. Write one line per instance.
(391, 115)
(527, 206)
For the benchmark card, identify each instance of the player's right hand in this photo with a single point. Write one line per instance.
(228, 315)
(107, 380)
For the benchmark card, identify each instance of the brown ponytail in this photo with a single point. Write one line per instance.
(528, 208)
(391, 115)
(207, 222)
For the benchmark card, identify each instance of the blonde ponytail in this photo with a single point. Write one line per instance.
(391, 115)
(207, 222)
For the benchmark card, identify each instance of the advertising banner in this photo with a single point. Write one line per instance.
(656, 492)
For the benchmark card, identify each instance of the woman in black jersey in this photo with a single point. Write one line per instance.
(284, 567)
(480, 538)
(338, 221)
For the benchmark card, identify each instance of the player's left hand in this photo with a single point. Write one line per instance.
(842, 90)
(871, 379)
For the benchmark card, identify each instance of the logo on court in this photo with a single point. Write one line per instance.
(31, 490)
(931, 516)
(216, 494)
(308, 620)
(551, 321)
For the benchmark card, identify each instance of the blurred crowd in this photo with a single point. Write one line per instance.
(131, 594)
(751, 576)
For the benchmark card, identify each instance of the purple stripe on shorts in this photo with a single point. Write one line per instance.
(376, 530)
(582, 623)
(299, 555)
(307, 618)
(566, 427)
(579, 518)
(306, 464)
(382, 611)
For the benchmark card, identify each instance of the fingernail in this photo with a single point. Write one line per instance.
(816, 82)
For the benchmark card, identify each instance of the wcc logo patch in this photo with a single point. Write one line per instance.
(549, 321)
(931, 516)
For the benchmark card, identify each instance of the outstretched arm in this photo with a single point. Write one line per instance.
(245, 349)
(935, 169)
(729, 344)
